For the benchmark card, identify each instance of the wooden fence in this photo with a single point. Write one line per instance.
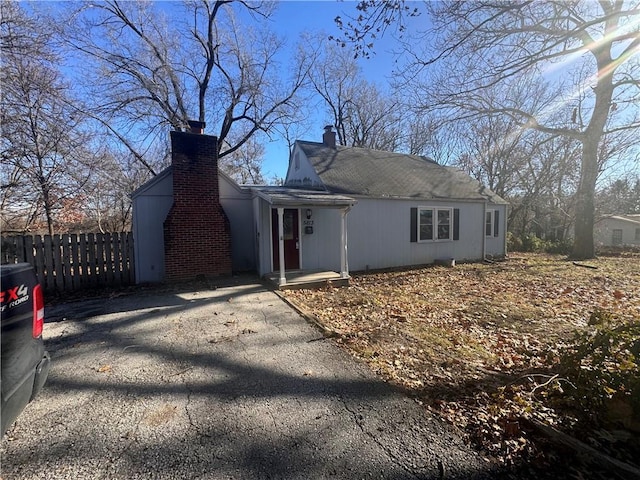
(75, 262)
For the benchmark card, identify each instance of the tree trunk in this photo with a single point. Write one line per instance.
(583, 246)
(48, 212)
(46, 199)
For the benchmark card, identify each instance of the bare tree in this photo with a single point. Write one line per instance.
(494, 153)
(43, 160)
(362, 114)
(495, 41)
(621, 196)
(154, 71)
(107, 206)
(244, 165)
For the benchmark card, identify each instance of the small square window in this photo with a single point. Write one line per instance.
(616, 238)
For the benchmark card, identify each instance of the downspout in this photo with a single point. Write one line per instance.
(484, 233)
(504, 229)
(283, 279)
(344, 253)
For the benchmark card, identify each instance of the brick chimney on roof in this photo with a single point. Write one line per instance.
(329, 136)
(197, 238)
(196, 127)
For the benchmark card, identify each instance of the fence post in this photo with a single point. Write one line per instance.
(57, 263)
(29, 257)
(131, 259)
(117, 278)
(48, 263)
(84, 260)
(39, 261)
(19, 249)
(66, 262)
(108, 259)
(75, 245)
(91, 247)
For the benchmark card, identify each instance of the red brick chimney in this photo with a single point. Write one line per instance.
(197, 239)
(329, 136)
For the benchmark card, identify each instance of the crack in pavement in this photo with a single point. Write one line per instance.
(359, 418)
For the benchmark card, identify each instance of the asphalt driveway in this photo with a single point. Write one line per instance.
(226, 383)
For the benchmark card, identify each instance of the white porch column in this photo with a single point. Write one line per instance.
(283, 279)
(344, 253)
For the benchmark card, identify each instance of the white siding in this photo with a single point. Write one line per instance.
(380, 237)
(300, 172)
(603, 232)
(150, 208)
(237, 205)
(497, 246)
(262, 212)
(321, 249)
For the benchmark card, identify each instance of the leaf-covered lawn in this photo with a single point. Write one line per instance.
(478, 343)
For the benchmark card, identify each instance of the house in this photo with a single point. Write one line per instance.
(617, 230)
(340, 209)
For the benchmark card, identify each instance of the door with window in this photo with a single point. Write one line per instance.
(291, 233)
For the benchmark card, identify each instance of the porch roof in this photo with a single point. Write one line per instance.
(286, 196)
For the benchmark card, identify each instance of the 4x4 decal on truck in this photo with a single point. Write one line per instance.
(12, 297)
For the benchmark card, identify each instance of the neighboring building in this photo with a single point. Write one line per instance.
(340, 209)
(617, 230)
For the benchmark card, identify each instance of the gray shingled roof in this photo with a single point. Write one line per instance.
(362, 171)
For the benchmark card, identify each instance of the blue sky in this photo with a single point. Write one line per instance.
(291, 19)
(295, 17)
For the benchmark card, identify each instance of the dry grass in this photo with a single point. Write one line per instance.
(453, 323)
(449, 335)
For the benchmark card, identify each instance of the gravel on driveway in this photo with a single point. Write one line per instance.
(223, 383)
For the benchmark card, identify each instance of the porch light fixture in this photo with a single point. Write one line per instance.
(308, 213)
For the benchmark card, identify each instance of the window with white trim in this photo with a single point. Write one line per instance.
(488, 223)
(435, 224)
(491, 223)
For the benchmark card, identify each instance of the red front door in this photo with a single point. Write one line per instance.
(291, 234)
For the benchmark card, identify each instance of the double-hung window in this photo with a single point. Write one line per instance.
(435, 224)
(491, 223)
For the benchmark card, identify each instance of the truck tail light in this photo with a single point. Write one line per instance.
(38, 311)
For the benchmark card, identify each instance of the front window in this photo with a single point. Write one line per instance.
(435, 224)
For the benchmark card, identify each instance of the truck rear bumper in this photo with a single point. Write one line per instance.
(41, 374)
(25, 392)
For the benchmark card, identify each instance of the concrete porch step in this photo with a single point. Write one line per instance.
(306, 279)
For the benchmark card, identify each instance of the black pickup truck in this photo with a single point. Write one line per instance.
(24, 362)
